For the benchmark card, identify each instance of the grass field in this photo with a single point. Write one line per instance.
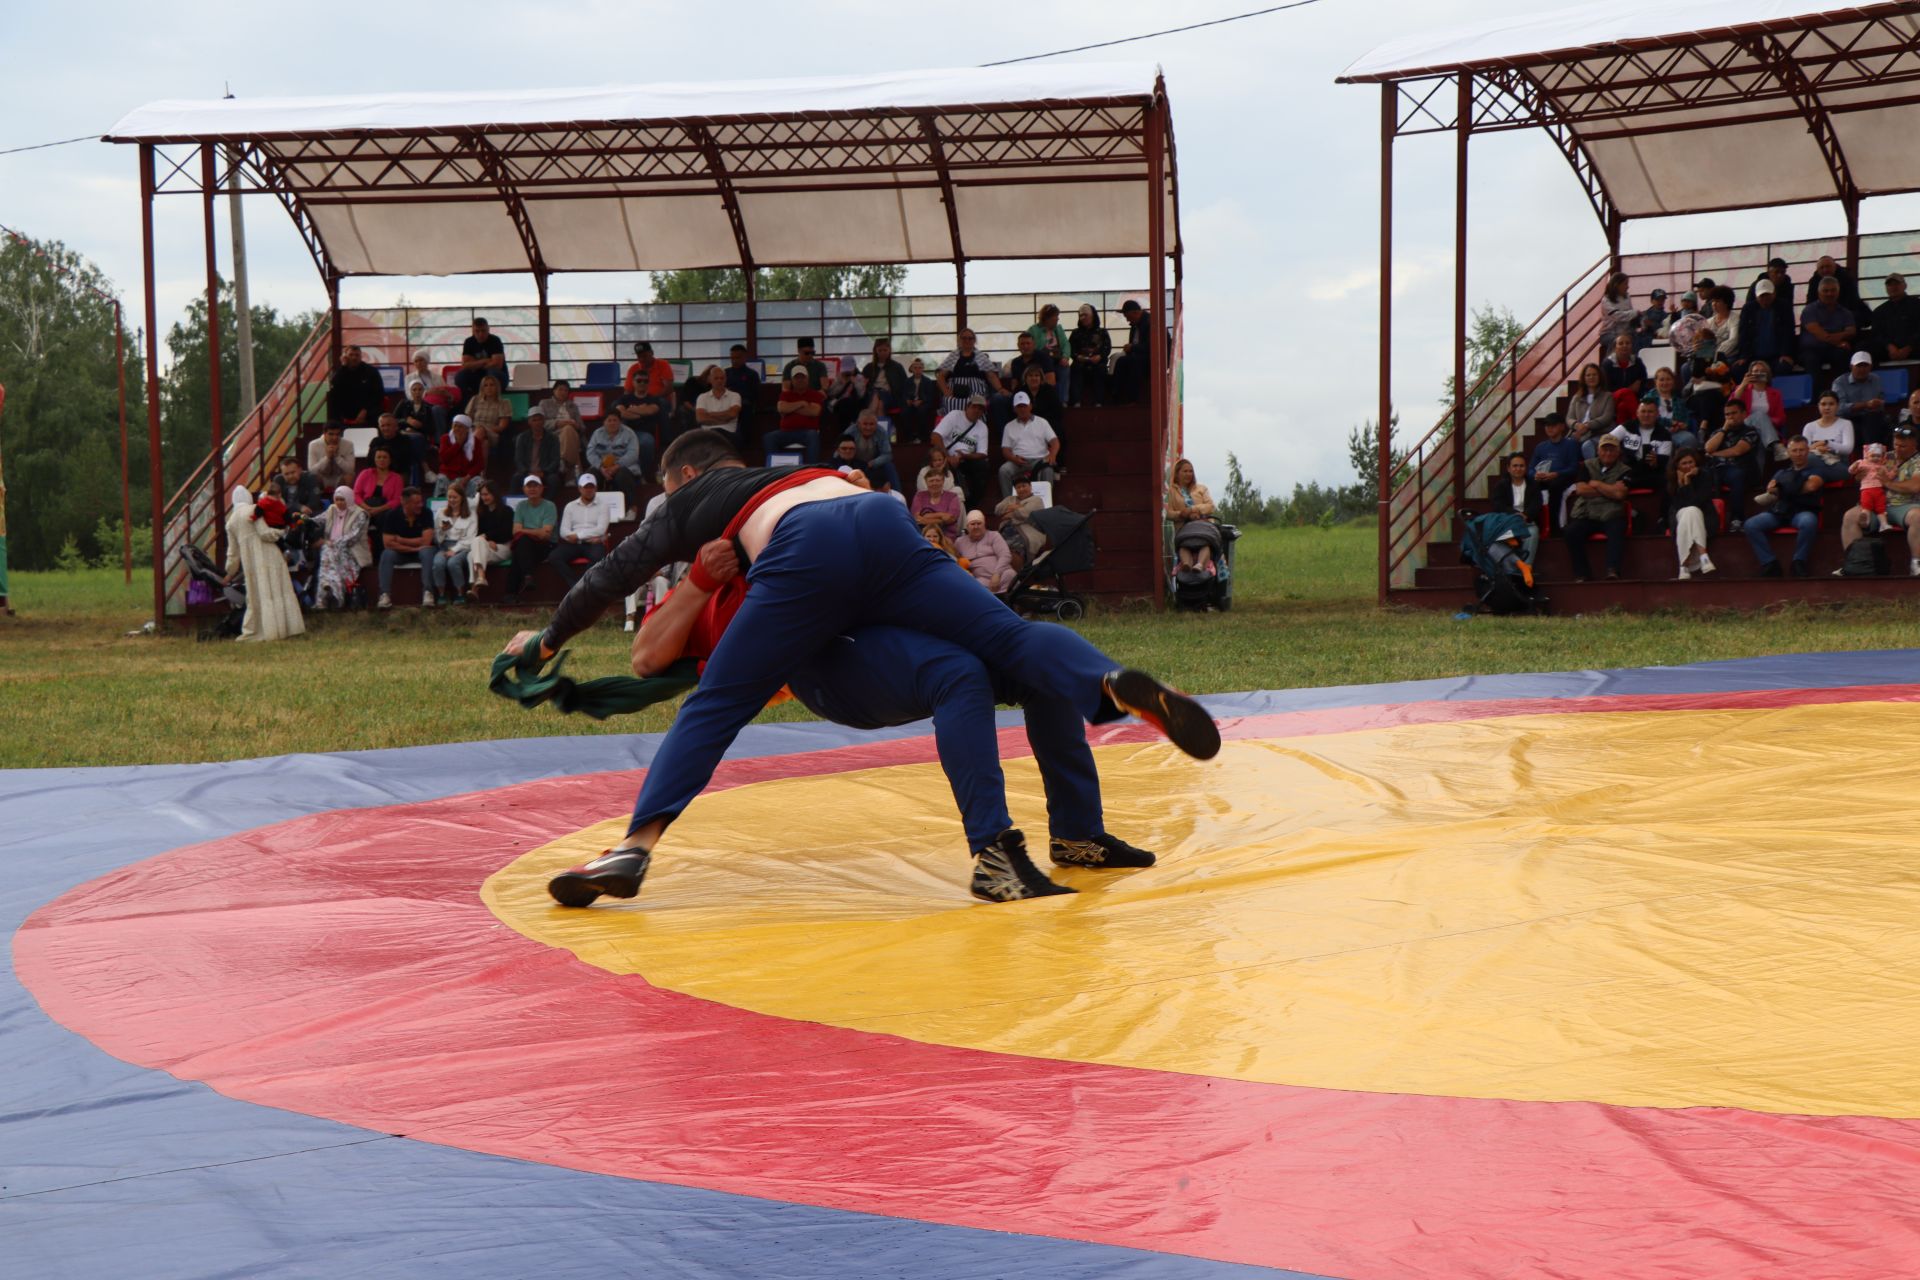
(75, 690)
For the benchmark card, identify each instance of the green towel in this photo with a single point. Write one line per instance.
(527, 683)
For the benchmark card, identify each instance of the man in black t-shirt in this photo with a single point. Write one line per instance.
(407, 537)
(357, 395)
(818, 374)
(481, 356)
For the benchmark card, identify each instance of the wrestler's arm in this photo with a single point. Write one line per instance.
(615, 576)
(662, 638)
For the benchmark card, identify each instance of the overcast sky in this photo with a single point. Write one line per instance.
(1278, 168)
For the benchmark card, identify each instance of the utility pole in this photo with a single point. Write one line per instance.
(243, 310)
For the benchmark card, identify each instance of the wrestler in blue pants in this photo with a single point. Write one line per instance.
(831, 567)
(879, 677)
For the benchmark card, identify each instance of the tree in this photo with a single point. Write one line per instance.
(1363, 451)
(57, 361)
(777, 284)
(1489, 334)
(1240, 500)
(185, 394)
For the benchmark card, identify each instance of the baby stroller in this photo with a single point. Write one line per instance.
(1191, 587)
(1041, 585)
(1503, 581)
(207, 585)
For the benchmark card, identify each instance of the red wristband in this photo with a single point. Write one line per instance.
(702, 580)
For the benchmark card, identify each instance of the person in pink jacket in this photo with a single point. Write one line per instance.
(1766, 412)
(986, 553)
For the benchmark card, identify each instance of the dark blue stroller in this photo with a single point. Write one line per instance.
(1502, 580)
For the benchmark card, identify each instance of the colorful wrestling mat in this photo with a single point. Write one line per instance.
(1576, 975)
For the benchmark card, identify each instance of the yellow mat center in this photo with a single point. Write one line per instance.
(1657, 909)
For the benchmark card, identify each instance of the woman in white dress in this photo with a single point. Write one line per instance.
(253, 549)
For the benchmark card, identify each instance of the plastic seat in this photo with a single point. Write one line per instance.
(392, 378)
(530, 377)
(1796, 389)
(1894, 382)
(602, 375)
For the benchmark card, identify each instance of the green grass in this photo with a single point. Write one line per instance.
(75, 690)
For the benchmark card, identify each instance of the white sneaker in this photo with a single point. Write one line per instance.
(386, 602)
(629, 622)
(426, 600)
(1913, 568)
(1706, 564)
(1684, 573)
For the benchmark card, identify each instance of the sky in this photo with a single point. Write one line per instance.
(1279, 171)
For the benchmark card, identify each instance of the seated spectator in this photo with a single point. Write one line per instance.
(720, 407)
(1650, 322)
(612, 439)
(873, 448)
(453, 533)
(1050, 341)
(1902, 497)
(937, 464)
(1691, 490)
(1707, 398)
(986, 554)
(614, 478)
(1830, 438)
(818, 374)
(1091, 347)
(482, 356)
(1782, 283)
(536, 452)
(1515, 492)
(935, 506)
(1827, 333)
(1045, 400)
(886, 377)
(963, 434)
(800, 408)
(377, 491)
(1132, 372)
(416, 415)
(1188, 501)
(492, 534)
(407, 537)
(682, 419)
(846, 462)
(565, 422)
(356, 395)
(583, 533)
(534, 525)
(329, 460)
(937, 538)
(1862, 399)
(404, 447)
(304, 498)
(965, 373)
(1618, 315)
(1715, 338)
(1682, 326)
(1910, 414)
(845, 395)
(491, 412)
(1765, 334)
(463, 458)
(1599, 507)
(1795, 489)
(744, 382)
(1623, 368)
(1015, 514)
(1735, 452)
(422, 373)
(1766, 411)
(1556, 463)
(1829, 268)
(1590, 409)
(1896, 322)
(918, 407)
(343, 551)
(1672, 411)
(1000, 408)
(1645, 446)
(1029, 447)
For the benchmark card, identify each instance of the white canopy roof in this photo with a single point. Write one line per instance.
(1749, 103)
(914, 166)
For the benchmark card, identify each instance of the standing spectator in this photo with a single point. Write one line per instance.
(1050, 340)
(720, 407)
(490, 412)
(1514, 491)
(1649, 322)
(1896, 322)
(1672, 411)
(343, 551)
(1796, 490)
(377, 491)
(1556, 463)
(492, 534)
(817, 372)
(329, 460)
(1829, 268)
(1691, 491)
(536, 452)
(407, 537)
(1735, 452)
(1091, 346)
(565, 422)
(1132, 375)
(1766, 411)
(1715, 338)
(873, 448)
(935, 507)
(1830, 438)
(937, 465)
(1775, 275)
(633, 452)
(1590, 408)
(616, 479)
(800, 408)
(988, 558)
(534, 522)
(1827, 333)
(917, 411)
(453, 534)
(463, 458)
(1863, 400)
(1030, 447)
(963, 434)
(745, 383)
(1023, 536)
(886, 377)
(1618, 315)
(1599, 506)
(1707, 397)
(965, 373)
(1766, 331)
(1623, 368)
(356, 396)
(583, 533)
(1903, 500)
(482, 356)
(1682, 328)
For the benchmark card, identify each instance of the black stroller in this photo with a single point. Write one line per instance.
(1503, 582)
(1191, 587)
(1041, 585)
(203, 572)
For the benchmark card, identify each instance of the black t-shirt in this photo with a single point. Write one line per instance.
(399, 447)
(495, 524)
(1730, 438)
(486, 347)
(396, 523)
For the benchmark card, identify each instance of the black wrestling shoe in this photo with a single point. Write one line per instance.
(616, 873)
(1184, 721)
(1002, 872)
(1103, 851)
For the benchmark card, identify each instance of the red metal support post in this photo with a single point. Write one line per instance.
(753, 317)
(336, 343)
(1462, 132)
(546, 322)
(1851, 202)
(1157, 386)
(1389, 121)
(208, 188)
(126, 481)
(156, 477)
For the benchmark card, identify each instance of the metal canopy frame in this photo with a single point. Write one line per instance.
(1773, 70)
(1122, 140)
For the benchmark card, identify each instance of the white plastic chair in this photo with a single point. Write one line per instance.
(530, 377)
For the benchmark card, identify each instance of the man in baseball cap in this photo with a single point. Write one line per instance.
(534, 523)
(583, 532)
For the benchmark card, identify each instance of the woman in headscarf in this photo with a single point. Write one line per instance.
(1091, 346)
(253, 551)
(986, 553)
(463, 456)
(343, 550)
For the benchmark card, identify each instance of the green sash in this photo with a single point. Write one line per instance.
(526, 683)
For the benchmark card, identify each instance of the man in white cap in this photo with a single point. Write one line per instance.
(1863, 401)
(1028, 445)
(583, 533)
(534, 523)
(963, 434)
